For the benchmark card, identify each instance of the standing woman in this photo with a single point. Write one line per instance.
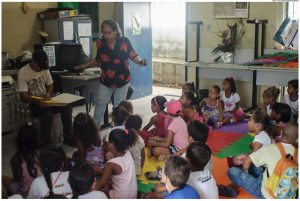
(112, 55)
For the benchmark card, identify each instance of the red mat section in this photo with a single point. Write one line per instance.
(219, 171)
(219, 139)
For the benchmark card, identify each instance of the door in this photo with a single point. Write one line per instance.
(137, 28)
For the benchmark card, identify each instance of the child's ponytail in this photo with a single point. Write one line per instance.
(132, 136)
(159, 101)
(264, 119)
(81, 178)
(51, 160)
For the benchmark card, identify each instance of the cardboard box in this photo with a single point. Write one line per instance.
(57, 14)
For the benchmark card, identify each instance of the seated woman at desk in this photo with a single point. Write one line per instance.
(112, 55)
(34, 79)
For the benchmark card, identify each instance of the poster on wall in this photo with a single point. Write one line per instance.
(287, 32)
(136, 24)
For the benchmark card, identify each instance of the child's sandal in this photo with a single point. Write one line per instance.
(218, 124)
(152, 175)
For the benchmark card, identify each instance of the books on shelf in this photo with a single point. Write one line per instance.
(63, 99)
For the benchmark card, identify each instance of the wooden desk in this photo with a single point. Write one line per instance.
(88, 85)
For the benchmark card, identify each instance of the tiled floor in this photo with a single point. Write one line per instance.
(141, 107)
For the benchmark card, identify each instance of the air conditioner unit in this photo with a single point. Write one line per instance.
(231, 10)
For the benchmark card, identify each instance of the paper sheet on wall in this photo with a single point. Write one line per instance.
(50, 51)
(85, 42)
(289, 32)
(68, 30)
(84, 29)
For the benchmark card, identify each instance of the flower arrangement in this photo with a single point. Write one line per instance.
(230, 37)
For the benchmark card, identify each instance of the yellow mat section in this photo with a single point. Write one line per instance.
(150, 165)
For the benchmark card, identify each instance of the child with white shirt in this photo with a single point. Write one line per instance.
(232, 109)
(82, 180)
(261, 124)
(54, 179)
(137, 144)
(118, 116)
(292, 98)
(201, 179)
(270, 156)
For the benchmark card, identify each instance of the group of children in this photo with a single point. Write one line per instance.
(106, 165)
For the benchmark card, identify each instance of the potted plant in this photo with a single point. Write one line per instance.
(229, 40)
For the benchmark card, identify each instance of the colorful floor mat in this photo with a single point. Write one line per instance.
(220, 168)
(220, 139)
(240, 127)
(239, 147)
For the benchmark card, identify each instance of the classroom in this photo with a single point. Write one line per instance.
(150, 100)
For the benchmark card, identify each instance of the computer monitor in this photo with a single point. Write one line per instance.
(69, 55)
(63, 56)
(52, 50)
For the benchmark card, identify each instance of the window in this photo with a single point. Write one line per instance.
(168, 29)
(293, 10)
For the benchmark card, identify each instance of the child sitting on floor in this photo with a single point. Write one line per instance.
(127, 105)
(270, 96)
(281, 114)
(188, 87)
(212, 108)
(232, 110)
(137, 146)
(198, 132)
(24, 163)
(82, 180)
(119, 116)
(88, 142)
(159, 121)
(177, 133)
(55, 176)
(120, 169)
(175, 174)
(201, 179)
(269, 157)
(190, 107)
(292, 98)
(261, 125)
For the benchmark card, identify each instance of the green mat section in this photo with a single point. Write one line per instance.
(239, 147)
(145, 188)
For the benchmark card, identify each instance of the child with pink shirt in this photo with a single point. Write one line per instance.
(177, 133)
(120, 169)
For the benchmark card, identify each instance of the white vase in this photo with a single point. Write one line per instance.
(227, 57)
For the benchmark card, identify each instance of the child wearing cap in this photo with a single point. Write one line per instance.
(177, 133)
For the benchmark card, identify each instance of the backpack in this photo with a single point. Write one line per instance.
(283, 183)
